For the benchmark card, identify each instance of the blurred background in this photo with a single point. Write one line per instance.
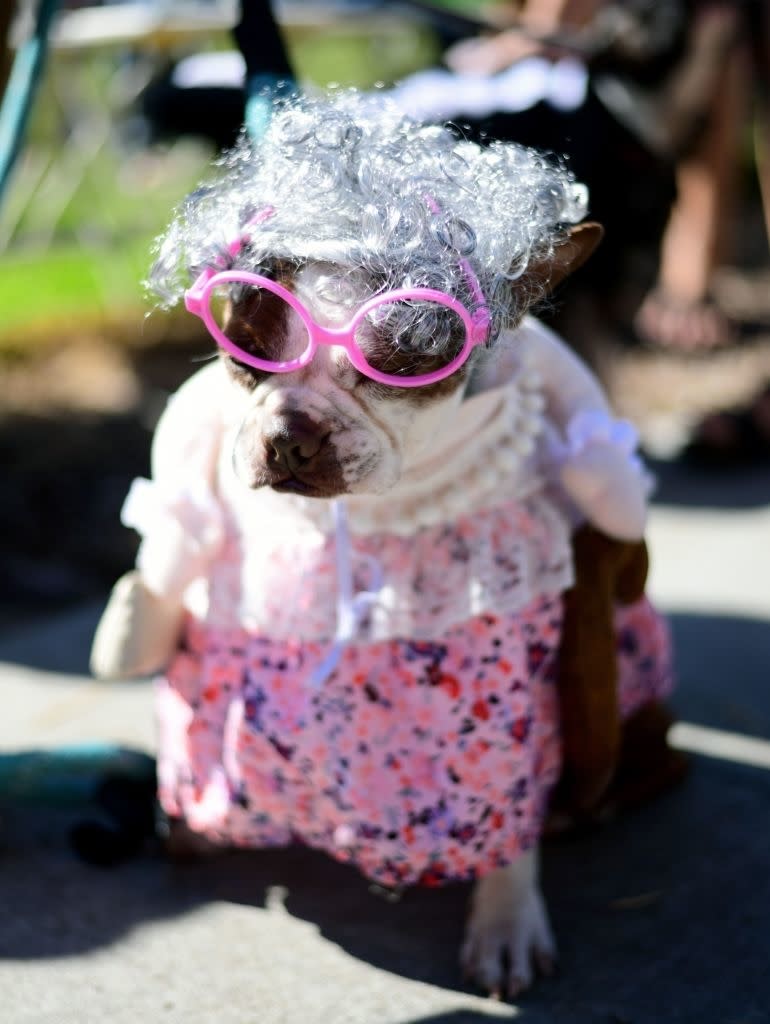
(660, 107)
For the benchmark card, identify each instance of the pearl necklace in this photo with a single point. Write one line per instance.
(497, 460)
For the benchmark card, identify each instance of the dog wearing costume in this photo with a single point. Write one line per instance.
(393, 524)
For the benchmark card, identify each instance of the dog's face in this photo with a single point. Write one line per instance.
(326, 430)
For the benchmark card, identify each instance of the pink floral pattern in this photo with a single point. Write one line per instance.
(419, 762)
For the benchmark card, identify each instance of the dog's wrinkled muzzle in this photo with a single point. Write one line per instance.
(290, 452)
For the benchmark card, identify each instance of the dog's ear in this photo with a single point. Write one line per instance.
(581, 240)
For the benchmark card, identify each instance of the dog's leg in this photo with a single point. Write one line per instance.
(508, 934)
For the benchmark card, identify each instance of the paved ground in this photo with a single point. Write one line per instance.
(662, 916)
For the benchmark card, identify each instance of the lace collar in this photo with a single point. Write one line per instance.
(488, 453)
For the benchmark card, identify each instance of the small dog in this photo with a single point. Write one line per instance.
(359, 530)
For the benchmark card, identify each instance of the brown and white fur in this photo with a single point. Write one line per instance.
(327, 431)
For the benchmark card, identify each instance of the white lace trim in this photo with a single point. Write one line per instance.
(496, 560)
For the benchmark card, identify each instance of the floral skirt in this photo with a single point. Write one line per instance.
(417, 762)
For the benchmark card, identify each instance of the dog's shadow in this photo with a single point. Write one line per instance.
(625, 901)
(416, 935)
(644, 907)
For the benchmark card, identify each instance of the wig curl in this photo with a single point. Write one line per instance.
(355, 183)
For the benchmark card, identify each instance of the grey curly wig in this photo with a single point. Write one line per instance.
(355, 183)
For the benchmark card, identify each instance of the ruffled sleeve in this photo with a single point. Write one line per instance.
(181, 530)
(603, 474)
(590, 454)
(177, 513)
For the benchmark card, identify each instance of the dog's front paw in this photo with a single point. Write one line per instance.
(508, 936)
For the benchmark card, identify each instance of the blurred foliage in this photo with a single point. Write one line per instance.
(89, 194)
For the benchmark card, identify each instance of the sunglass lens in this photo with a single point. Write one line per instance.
(410, 338)
(259, 322)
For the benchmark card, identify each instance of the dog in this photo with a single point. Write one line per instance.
(358, 535)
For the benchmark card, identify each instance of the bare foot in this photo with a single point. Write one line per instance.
(688, 327)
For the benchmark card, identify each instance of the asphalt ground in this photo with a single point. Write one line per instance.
(661, 915)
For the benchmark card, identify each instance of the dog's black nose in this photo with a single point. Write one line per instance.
(292, 440)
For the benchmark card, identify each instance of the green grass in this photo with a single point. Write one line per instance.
(67, 279)
(89, 274)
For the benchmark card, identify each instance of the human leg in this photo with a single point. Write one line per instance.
(679, 313)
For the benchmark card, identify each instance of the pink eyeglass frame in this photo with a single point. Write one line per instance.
(197, 302)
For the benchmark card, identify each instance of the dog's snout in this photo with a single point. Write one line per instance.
(293, 440)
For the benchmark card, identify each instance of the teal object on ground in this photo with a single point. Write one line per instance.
(70, 775)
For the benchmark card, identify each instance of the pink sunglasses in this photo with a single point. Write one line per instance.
(198, 301)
